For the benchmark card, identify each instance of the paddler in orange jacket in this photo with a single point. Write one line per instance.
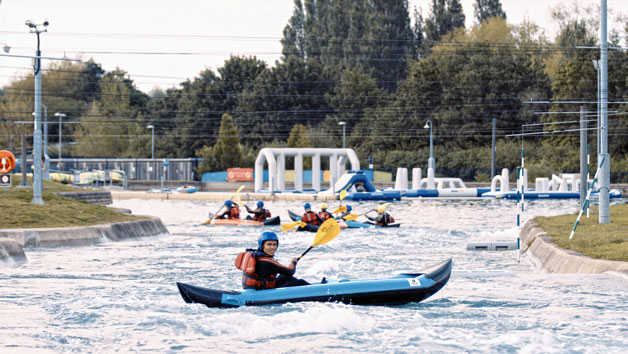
(310, 217)
(232, 211)
(267, 268)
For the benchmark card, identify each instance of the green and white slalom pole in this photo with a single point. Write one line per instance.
(586, 200)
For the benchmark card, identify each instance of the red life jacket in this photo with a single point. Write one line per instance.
(262, 215)
(324, 215)
(311, 218)
(234, 213)
(246, 262)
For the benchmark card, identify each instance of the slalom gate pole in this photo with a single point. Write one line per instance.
(523, 188)
(586, 200)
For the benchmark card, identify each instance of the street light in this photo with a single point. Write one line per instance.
(60, 115)
(152, 134)
(37, 175)
(343, 133)
(430, 162)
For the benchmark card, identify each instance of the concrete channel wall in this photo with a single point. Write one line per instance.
(100, 198)
(12, 241)
(557, 260)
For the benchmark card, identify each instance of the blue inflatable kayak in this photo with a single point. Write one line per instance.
(399, 289)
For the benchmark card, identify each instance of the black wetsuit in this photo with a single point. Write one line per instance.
(381, 219)
(266, 267)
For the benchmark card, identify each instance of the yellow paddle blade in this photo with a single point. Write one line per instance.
(206, 222)
(351, 217)
(343, 194)
(326, 232)
(290, 225)
(341, 209)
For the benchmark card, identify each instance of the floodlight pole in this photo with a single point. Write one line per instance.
(605, 173)
(37, 173)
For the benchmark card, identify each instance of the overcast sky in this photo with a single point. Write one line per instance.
(195, 34)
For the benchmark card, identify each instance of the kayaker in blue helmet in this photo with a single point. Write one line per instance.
(259, 214)
(232, 211)
(310, 217)
(324, 214)
(263, 275)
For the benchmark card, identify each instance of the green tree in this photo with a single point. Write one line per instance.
(292, 92)
(227, 152)
(203, 101)
(104, 130)
(299, 138)
(445, 16)
(293, 41)
(455, 14)
(417, 31)
(485, 9)
(353, 98)
(461, 88)
(373, 36)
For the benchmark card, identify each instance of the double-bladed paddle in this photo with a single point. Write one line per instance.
(341, 208)
(290, 225)
(326, 232)
(211, 216)
(353, 217)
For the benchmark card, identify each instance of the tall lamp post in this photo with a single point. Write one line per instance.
(60, 115)
(344, 124)
(152, 145)
(430, 162)
(37, 175)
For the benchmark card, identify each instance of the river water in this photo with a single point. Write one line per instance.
(121, 296)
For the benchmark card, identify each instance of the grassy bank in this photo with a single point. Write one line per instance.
(604, 241)
(18, 212)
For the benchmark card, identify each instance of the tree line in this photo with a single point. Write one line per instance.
(372, 65)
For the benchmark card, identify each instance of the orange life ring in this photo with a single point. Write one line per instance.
(7, 161)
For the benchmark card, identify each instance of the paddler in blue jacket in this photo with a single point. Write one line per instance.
(267, 268)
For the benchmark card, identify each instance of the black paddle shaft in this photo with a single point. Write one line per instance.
(306, 251)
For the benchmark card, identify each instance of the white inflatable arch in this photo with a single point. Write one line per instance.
(276, 159)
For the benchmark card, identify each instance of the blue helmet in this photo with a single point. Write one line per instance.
(266, 236)
(260, 204)
(228, 203)
(348, 208)
(307, 206)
